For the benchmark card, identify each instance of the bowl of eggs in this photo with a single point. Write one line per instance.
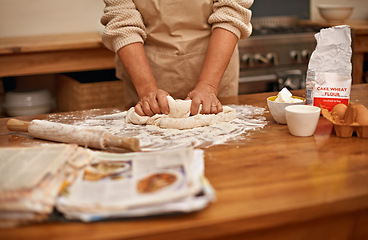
(348, 119)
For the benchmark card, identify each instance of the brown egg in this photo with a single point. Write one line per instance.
(360, 106)
(339, 110)
(350, 114)
(362, 115)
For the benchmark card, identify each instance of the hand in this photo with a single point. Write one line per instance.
(206, 95)
(154, 102)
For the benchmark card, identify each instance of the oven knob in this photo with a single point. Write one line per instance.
(272, 58)
(246, 59)
(262, 59)
(305, 54)
(295, 55)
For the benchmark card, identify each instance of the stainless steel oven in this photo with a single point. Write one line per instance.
(276, 55)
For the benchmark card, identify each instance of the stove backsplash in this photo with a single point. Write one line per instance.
(267, 8)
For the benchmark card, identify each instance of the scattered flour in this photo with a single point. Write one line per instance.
(153, 138)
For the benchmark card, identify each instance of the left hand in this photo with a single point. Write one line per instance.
(206, 95)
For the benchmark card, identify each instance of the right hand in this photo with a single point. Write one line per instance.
(154, 102)
(205, 95)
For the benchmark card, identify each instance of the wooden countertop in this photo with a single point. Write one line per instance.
(359, 25)
(271, 185)
(59, 53)
(55, 42)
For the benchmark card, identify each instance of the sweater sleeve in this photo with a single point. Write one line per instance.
(123, 24)
(232, 15)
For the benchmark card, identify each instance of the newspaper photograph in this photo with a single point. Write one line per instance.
(137, 184)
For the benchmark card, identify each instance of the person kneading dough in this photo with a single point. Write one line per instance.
(185, 49)
(179, 116)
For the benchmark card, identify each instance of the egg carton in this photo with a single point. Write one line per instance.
(348, 130)
(343, 129)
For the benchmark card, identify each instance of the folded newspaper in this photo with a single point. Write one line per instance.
(31, 177)
(90, 185)
(138, 184)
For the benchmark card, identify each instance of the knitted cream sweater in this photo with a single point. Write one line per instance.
(124, 23)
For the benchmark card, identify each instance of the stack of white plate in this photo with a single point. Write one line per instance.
(23, 103)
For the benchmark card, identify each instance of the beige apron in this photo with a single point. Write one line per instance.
(178, 36)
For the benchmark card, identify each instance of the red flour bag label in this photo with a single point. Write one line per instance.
(326, 89)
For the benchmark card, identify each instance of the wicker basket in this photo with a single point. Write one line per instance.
(73, 95)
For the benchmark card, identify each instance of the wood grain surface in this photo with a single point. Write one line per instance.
(54, 42)
(271, 185)
(53, 54)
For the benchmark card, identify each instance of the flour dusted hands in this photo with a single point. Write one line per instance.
(154, 102)
(205, 95)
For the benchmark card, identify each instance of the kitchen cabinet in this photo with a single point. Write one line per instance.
(30, 55)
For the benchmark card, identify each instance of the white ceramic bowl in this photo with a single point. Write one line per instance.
(277, 109)
(335, 14)
(23, 103)
(26, 111)
(27, 98)
(302, 120)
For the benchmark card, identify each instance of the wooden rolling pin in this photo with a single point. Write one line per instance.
(65, 133)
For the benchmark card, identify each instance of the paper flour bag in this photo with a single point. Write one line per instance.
(329, 70)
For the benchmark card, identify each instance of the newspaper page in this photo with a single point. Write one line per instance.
(138, 184)
(31, 177)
